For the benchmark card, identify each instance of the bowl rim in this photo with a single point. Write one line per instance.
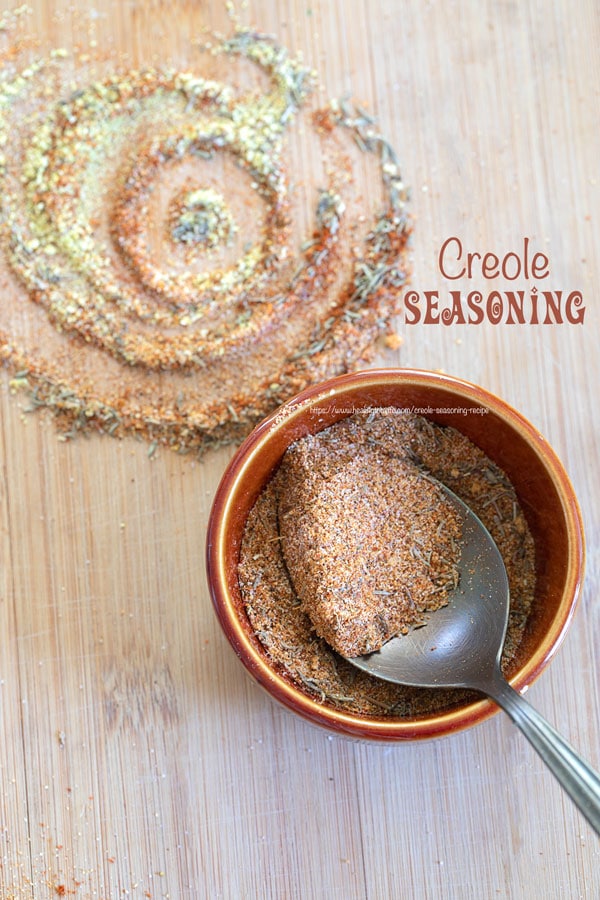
(256, 662)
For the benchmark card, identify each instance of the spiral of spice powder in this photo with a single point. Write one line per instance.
(169, 272)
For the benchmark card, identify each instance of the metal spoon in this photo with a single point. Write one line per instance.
(461, 646)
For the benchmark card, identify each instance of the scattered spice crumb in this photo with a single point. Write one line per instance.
(393, 341)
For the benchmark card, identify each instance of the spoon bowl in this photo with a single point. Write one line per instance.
(461, 642)
(460, 646)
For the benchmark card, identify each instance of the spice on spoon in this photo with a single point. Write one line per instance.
(370, 542)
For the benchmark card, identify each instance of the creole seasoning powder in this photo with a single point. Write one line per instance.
(369, 542)
(296, 523)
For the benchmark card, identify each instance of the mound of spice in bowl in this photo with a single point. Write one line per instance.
(369, 542)
(352, 542)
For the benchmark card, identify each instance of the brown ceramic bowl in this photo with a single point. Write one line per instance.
(542, 485)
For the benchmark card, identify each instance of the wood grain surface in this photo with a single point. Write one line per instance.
(136, 757)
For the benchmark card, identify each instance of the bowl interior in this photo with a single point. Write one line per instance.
(537, 475)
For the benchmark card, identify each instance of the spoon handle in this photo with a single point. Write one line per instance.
(578, 778)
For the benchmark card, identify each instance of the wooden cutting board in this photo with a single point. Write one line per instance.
(136, 758)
